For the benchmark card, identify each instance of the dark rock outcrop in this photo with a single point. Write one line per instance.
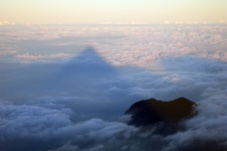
(152, 111)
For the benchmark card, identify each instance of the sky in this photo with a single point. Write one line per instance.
(113, 12)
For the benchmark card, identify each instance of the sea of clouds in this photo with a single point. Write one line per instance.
(65, 87)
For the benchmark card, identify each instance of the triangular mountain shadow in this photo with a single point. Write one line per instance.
(84, 70)
(88, 61)
(88, 56)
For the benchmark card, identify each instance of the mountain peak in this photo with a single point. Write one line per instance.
(152, 111)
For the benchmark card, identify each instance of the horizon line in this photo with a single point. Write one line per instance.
(108, 24)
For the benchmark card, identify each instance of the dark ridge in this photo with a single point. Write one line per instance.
(152, 111)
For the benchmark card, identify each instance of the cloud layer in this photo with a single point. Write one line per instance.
(66, 87)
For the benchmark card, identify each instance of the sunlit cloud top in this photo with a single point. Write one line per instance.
(113, 11)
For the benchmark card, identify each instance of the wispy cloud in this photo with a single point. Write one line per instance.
(29, 58)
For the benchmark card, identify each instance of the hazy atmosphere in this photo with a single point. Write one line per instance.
(70, 69)
(113, 12)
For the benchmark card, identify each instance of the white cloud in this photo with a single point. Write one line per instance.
(22, 122)
(143, 46)
(28, 57)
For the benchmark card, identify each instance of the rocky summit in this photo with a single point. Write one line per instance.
(152, 111)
